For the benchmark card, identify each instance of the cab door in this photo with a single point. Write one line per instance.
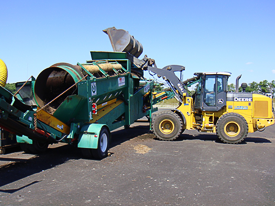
(214, 96)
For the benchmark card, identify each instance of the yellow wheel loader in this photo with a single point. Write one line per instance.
(231, 115)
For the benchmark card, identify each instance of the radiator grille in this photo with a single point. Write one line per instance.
(261, 109)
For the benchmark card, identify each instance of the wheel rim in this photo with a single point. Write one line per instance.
(232, 129)
(103, 142)
(166, 126)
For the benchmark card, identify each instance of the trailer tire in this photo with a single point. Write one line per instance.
(167, 126)
(38, 147)
(25, 147)
(102, 148)
(232, 128)
(35, 148)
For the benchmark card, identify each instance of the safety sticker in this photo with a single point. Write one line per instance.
(121, 81)
(60, 127)
(241, 107)
(93, 88)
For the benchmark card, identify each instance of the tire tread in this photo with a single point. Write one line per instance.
(160, 116)
(220, 122)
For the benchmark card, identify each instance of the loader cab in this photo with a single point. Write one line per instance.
(211, 91)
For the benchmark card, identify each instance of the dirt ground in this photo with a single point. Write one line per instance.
(196, 169)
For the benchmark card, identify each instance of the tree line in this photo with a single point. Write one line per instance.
(261, 87)
(11, 87)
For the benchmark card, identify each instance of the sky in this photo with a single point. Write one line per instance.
(236, 36)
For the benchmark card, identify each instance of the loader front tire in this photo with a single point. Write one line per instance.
(167, 125)
(232, 128)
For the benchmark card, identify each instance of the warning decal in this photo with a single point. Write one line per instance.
(121, 81)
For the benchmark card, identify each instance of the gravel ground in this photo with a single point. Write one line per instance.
(196, 169)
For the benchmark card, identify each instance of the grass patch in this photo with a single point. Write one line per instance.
(168, 102)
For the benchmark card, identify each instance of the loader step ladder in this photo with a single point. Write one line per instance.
(208, 123)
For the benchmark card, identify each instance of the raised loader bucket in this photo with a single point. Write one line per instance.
(122, 41)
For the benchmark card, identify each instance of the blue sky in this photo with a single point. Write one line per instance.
(237, 36)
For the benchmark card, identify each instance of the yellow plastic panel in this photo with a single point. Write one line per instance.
(53, 122)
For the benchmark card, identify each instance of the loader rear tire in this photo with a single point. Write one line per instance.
(232, 128)
(167, 126)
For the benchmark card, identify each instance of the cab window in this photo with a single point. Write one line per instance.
(220, 84)
(210, 88)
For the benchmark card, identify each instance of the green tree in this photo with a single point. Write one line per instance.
(11, 87)
(264, 86)
(252, 87)
(272, 87)
(231, 87)
(158, 87)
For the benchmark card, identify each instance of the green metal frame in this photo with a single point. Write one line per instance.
(89, 73)
(89, 91)
(99, 55)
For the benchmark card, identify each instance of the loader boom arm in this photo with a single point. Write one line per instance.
(168, 74)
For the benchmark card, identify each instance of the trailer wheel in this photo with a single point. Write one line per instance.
(35, 148)
(39, 147)
(167, 125)
(102, 148)
(232, 128)
(25, 147)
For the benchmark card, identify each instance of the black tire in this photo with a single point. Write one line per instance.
(25, 147)
(182, 130)
(103, 146)
(39, 147)
(183, 125)
(167, 126)
(87, 153)
(232, 128)
(35, 148)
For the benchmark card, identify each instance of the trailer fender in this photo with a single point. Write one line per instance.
(88, 136)
(23, 139)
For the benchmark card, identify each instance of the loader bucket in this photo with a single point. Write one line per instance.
(122, 41)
